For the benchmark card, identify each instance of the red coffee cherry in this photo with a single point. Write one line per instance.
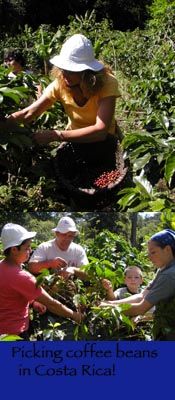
(106, 178)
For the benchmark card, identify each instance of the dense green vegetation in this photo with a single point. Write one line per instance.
(143, 61)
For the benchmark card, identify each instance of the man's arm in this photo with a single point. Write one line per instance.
(36, 267)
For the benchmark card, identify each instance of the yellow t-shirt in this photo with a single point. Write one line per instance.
(82, 116)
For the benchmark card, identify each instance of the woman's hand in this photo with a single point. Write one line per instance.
(77, 317)
(41, 308)
(28, 114)
(13, 117)
(46, 136)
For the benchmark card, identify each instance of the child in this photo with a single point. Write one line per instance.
(132, 279)
(160, 292)
(18, 288)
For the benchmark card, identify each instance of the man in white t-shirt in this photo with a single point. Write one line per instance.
(61, 253)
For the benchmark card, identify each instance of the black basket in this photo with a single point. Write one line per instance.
(76, 178)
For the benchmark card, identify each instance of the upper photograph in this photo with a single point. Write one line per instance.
(87, 117)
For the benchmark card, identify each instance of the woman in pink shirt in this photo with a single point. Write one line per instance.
(18, 288)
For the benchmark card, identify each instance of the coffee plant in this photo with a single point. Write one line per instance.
(108, 253)
(98, 323)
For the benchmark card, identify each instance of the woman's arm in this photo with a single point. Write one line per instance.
(134, 298)
(32, 111)
(58, 308)
(89, 134)
(139, 305)
(138, 308)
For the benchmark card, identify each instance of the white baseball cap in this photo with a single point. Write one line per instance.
(77, 55)
(13, 235)
(66, 224)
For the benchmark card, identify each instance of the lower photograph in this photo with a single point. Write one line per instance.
(87, 276)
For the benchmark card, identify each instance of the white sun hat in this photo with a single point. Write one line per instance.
(13, 235)
(77, 55)
(66, 224)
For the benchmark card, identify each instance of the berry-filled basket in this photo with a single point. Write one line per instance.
(89, 185)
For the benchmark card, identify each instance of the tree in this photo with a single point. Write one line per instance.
(134, 217)
(12, 15)
(124, 15)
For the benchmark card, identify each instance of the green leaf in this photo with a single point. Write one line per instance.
(76, 332)
(109, 274)
(3, 146)
(54, 325)
(9, 338)
(165, 122)
(160, 157)
(138, 137)
(14, 94)
(170, 167)
(143, 205)
(40, 277)
(99, 271)
(127, 321)
(157, 205)
(21, 140)
(85, 328)
(141, 162)
(127, 199)
(144, 185)
(123, 307)
(76, 299)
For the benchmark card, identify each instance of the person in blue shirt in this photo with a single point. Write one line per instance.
(161, 290)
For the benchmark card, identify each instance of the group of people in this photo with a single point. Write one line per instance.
(18, 287)
(19, 290)
(160, 292)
